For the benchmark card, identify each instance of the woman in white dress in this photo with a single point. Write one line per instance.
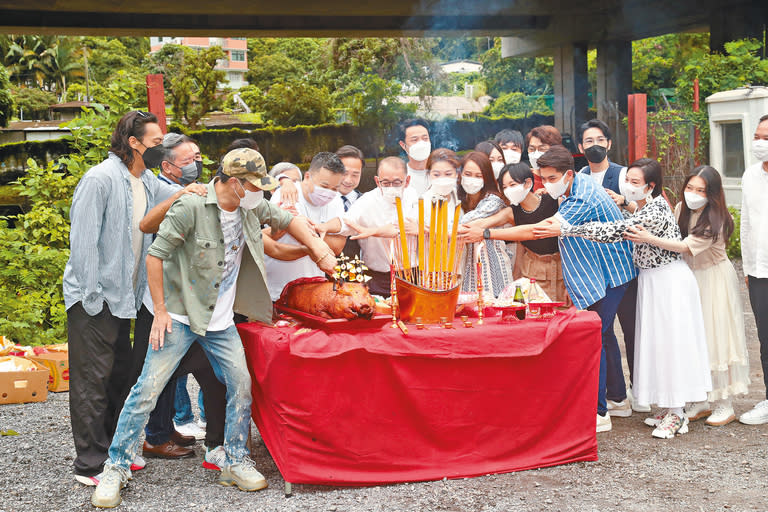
(706, 225)
(671, 361)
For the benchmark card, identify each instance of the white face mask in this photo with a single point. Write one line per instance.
(442, 186)
(694, 201)
(391, 193)
(516, 194)
(250, 199)
(511, 156)
(534, 158)
(321, 196)
(420, 151)
(633, 192)
(471, 185)
(760, 150)
(497, 167)
(557, 188)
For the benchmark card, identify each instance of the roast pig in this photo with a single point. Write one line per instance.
(319, 297)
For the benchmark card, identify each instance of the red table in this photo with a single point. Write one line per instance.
(375, 406)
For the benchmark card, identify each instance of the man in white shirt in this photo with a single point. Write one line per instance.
(754, 252)
(414, 139)
(373, 221)
(318, 201)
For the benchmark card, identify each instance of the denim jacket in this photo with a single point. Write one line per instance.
(100, 266)
(191, 244)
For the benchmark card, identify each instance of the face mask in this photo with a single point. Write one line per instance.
(420, 151)
(199, 166)
(595, 153)
(515, 194)
(760, 150)
(534, 158)
(633, 192)
(557, 188)
(442, 186)
(511, 156)
(153, 156)
(497, 167)
(391, 193)
(321, 196)
(250, 199)
(471, 185)
(694, 201)
(189, 173)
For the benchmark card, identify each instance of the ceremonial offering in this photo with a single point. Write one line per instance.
(316, 301)
(546, 309)
(429, 290)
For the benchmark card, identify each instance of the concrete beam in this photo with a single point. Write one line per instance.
(571, 86)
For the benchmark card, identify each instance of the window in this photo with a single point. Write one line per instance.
(733, 150)
(238, 55)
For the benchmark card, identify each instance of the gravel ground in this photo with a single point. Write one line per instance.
(708, 469)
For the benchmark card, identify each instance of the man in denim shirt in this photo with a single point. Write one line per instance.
(207, 262)
(104, 281)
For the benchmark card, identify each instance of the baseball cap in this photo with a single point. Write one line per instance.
(248, 164)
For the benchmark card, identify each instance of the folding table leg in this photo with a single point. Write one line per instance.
(288, 490)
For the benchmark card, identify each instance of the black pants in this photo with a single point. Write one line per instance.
(758, 297)
(380, 283)
(626, 315)
(160, 425)
(99, 367)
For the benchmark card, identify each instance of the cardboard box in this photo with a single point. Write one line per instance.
(24, 386)
(58, 364)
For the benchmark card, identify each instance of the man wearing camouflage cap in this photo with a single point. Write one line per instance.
(199, 272)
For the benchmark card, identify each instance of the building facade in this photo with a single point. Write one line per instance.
(236, 48)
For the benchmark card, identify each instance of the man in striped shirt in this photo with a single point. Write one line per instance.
(596, 275)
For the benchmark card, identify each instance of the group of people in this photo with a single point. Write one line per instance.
(171, 253)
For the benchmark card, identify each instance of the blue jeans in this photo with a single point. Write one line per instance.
(183, 406)
(606, 308)
(223, 347)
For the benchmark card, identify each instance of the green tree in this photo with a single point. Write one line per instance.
(191, 79)
(106, 57)
(517, 104)
(516, 74)
(6, 100)
(740, 65)
(33, 103)
(296, 104)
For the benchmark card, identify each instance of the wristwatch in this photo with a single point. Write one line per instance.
(487, 234)
(626, 203)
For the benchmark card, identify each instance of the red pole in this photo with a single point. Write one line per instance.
(637, 126)
(696, 133)
(156, 99)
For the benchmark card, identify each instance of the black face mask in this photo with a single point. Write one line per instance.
(596, 153)
(153, 156)
(199, 165)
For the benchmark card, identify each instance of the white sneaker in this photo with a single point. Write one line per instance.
(604, 423)
(636, 406)
(757, 416)
(107, 493)
(138, 463)
(90, 481)
(202, 424)
(671, 425)
(723, 415)
(620, 409)
(653, 421)
(244, 475)
(697, 410)
(191, 429)
(215, 459)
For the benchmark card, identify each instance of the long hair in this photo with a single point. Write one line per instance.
(489, 182)
(487, 147)
(715, 218)
(131, 124)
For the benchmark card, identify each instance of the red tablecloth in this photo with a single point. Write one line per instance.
(375, 406)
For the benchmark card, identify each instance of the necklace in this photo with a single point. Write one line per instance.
(538, 202)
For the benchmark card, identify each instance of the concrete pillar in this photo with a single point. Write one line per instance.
(731, 22)
(571, 86)
(614, 83)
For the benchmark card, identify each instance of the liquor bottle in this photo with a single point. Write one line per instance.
(519, 298)
(534, 296)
